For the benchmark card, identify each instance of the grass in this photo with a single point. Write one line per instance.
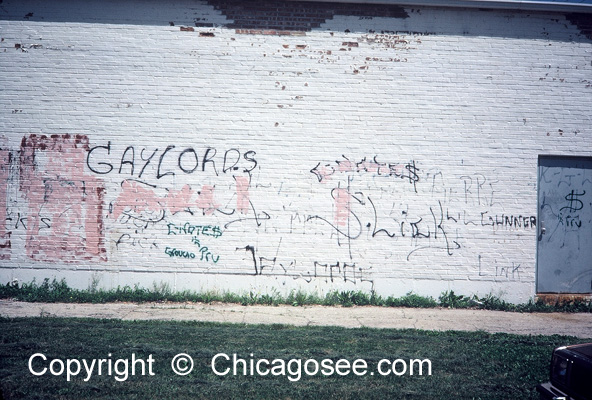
(464, 364)
(59, 291)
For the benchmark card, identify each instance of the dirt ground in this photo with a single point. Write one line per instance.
(579, 325)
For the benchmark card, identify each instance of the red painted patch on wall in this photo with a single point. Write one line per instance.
(136, 200)
(342, 206)
(206, 200)
(5, 164)
(242, 194)
(65, 205)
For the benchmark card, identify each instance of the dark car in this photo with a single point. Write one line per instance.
(571, 374)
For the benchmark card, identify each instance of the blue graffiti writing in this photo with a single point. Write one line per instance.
(205, 253)
(189, 229)
(172, 252)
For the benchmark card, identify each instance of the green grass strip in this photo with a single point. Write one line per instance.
(59, 291)
(465, 365)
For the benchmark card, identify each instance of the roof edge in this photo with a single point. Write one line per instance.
(563, 7)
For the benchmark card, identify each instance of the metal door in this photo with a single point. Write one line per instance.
(564, 246)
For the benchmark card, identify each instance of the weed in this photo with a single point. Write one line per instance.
(59, 291)
(413, 300)
(450, 300)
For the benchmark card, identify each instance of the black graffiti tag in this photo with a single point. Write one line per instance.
(575, 204)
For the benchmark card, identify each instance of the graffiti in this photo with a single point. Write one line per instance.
(331, 272)
(196, 231)
(259, 263)
(359, 213)
(433, 228)
(189, 229)
(172, 252)
(20, 221)
(139, 241)
(257, 217)
(408, 171)
(143, 208)
(508, 221)
(206, 200)
(103, 160)
(139, 201)
(342, 209)
(242, 194)
(6, 162)
(478, 190)
(205, 253)
(570, 221)
(439, 232)
(431, 216)
(504, 271)
(61, 191)
(574, 204)
(512, 272)
(346, 271)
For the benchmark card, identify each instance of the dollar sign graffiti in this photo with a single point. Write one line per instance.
(575, 204)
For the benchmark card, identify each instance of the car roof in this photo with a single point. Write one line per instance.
(583, 349)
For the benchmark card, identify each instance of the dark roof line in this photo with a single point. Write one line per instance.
(583, 6)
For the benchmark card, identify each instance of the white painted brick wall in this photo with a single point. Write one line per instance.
(460, 103)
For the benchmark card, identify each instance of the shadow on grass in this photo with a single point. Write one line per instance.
(462, 364)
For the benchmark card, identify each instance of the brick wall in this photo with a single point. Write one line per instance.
(270, 146)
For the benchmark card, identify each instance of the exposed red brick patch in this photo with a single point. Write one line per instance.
(562, 298)
(5, 169)
(269, 32)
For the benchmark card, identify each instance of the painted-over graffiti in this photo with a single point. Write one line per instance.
(6, 162)
(64, 214)
(362, 211)
(200, 207)
(407, 171)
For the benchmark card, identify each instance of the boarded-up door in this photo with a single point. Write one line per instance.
(564, 250)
